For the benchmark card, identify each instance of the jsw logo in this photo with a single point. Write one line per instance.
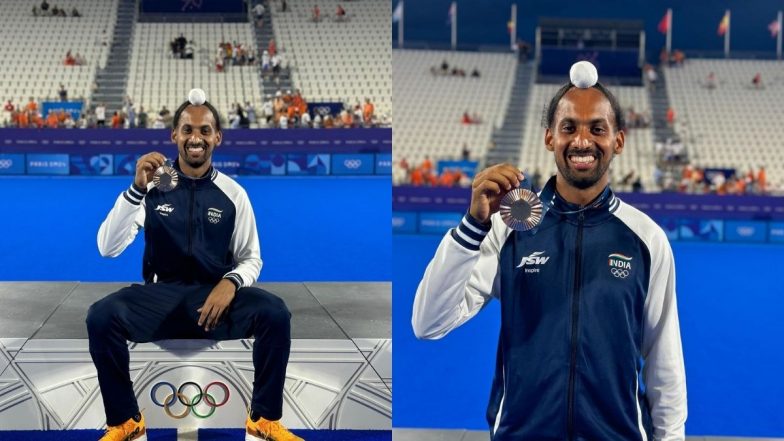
(535, 258)
(165, 208)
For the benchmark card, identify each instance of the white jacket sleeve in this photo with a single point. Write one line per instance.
(245, 244)
(462, 277)
(123, 222)
(664, 373)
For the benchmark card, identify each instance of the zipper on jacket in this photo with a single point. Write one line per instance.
(190, 221)
(575, 317)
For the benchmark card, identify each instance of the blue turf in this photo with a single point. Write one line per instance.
(310, 229)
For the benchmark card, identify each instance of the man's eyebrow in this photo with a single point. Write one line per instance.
(589, 122)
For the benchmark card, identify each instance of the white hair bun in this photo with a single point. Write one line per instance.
(583, 74)
(197, 97)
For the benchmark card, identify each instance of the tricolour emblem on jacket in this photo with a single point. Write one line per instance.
(620, 265)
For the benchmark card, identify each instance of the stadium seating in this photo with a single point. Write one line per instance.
(431, 124)
(733, 125)
(338, 61)
(638, 154)
(157, 79)
(34, 49)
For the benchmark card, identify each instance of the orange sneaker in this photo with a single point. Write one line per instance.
(130, 430)
(265, 430)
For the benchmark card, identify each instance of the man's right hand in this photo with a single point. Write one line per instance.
(489, 187)
(146, 166)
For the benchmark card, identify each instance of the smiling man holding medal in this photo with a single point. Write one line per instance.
(201, 258)
(590, 344)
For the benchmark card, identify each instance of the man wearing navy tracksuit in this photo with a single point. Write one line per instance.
(590, 344)
(201, 257)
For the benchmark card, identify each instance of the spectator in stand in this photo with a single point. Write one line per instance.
(265, 62)
(447, 179)
(75, 12)
(315, 14)
(465, 154)
(710, 81)
(100, 115)
(305, 120)
(670, 116)
(35, 11)
(189, 50)
(368, 112)
(158, 124)
(762, 181)
(417, 177)
(32, 106)
(284, 6)
(276, 65)
(63, 93)
(80, 59)
(251, 111)
(142, 118)
(346, 118)
(678, 57)
(651, 76)
(44, 6)
(756, 82)
(475, 73)
(292, 113)
(340, 13)
(258, 12)
(117, 120)
(9, 106)
(427, 165)
(130, 120)
(267, 110)
(299, 102)
(55, 11)
(272, 48)
(51, 120)
(69, 59)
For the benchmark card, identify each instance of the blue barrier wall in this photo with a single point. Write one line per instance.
(311, 228)
(730, 306)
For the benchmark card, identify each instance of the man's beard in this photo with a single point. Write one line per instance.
(197, 162)
(578, 179)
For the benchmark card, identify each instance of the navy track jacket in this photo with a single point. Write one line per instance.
(588, 310)
(200, 232)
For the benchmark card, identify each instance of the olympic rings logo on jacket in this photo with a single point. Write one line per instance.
(189, 403)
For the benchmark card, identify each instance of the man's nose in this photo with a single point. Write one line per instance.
(583, 139)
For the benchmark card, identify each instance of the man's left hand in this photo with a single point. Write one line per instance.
(216, 305)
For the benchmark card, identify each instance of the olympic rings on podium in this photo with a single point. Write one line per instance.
(189, 403)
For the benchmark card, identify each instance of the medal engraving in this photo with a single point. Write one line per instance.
(521, 209)
(165, 177)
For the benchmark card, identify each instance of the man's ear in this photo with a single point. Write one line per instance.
(620, 140)
(548, 139)
(218, 137)
(174, 135)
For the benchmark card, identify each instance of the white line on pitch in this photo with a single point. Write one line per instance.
(187, 434)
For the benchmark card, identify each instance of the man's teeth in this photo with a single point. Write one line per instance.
(582, 159)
